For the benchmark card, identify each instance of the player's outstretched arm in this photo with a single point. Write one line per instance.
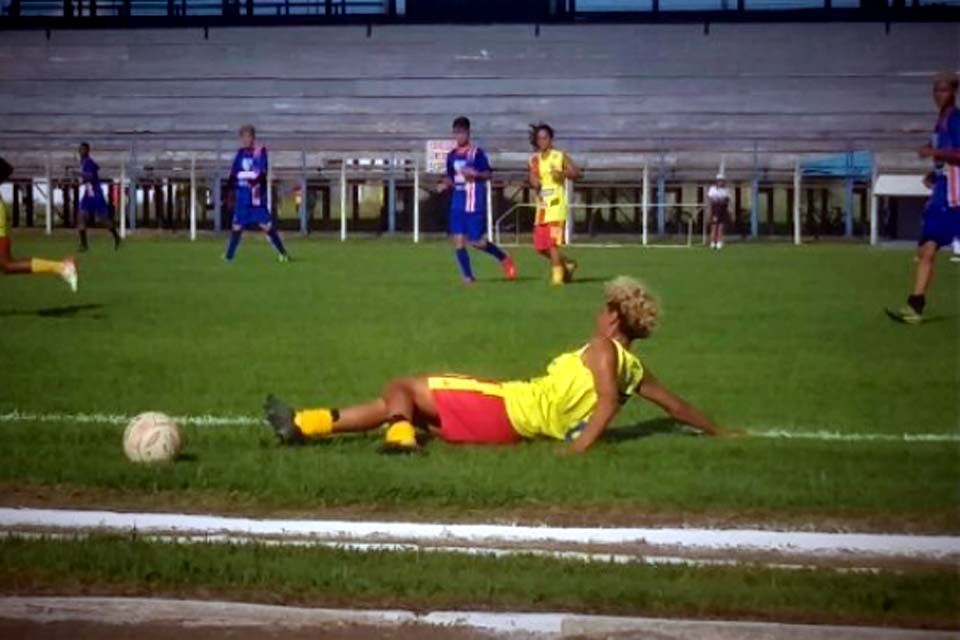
(678, 409)
(601, 358)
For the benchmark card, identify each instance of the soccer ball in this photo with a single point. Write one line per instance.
(152, 437)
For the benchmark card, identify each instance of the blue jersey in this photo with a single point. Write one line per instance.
(468, 196)
(946, 137)
(91, 193)
(90, 175)
(249, 171)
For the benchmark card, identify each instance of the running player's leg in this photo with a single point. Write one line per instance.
(65, 269)
(7, 264)
(270, 231)
(477, 234)
(83, 217)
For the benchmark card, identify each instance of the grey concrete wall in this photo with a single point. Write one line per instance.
(603, 87)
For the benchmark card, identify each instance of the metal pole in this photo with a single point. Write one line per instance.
(270, 188)
(645, 201)
(416, 201)
(874, 209)
(343, 199)
(755, 207)
(217, 203)
(132, 222)
(661, 197)
(121, 206)
(848, 207)
(193, 196)
(568, 194)
(490, 208)
(392, 198)
(303, 193)
(796, 203)
(49, 179)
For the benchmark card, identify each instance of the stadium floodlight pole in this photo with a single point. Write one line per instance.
(874, 208)
(416, 201)
(796, 203)
(343, 199)
(193, 196)
(645, 200)
(121, 207)
(49, 179)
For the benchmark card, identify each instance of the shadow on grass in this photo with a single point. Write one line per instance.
(655, 427)
(66, 311)
(590, 280)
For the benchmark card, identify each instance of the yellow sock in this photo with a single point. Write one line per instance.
(314, 422)
(402, 433)
(556, 275)
(46, 266)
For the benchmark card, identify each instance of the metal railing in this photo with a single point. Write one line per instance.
(683, 216)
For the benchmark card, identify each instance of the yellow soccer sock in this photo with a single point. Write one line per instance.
(46, 266)
(314, 423)
(557, 275)
(401, 433)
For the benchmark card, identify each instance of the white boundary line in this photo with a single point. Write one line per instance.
(784, 543)
(205, 614)
(208, 420)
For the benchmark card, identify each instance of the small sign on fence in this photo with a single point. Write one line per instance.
(437, 150)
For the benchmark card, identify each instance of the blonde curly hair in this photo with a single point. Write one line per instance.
(638, 310)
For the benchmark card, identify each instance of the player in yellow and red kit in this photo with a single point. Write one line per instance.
(549, 170)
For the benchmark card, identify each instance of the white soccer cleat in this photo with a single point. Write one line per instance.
(70, 274)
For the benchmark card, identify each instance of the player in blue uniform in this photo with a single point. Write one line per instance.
(93, 206)
(468, 173)
(941, 216)
(249, 174)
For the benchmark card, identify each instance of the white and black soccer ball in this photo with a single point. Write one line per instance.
(152, 437)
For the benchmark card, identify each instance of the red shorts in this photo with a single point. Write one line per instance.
(471, 411)
(547, 236)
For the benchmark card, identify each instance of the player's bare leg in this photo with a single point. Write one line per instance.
(912, 312)
(66, 269)
(719, 236)
(403, 401)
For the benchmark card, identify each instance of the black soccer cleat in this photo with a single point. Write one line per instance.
(280, 418)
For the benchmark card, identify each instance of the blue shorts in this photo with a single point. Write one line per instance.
(941, 224)
(251, 216)
(471, 225)
(96, 206)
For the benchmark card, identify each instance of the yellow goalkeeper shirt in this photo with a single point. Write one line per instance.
(558, 404)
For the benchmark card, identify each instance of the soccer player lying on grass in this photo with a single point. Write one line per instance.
(575, 401)
(66, 269)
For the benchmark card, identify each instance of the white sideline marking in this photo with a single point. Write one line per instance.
(782, 542)
(197, 613)
(208, 420)
(495, 552)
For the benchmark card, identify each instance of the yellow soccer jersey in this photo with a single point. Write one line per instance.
(559, 404)
(3, 219)
(552, 203)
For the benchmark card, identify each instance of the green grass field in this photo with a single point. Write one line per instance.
(760, 337)
(326, 577)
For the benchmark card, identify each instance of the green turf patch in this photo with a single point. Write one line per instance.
(759, 337)
(325, 577)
